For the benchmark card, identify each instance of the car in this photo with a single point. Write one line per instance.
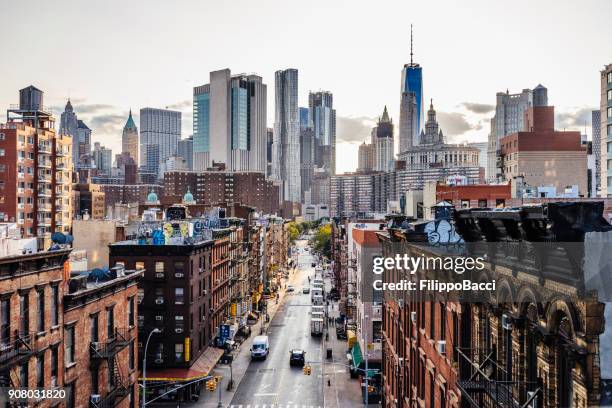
(297, 357)
(313, 264)
(290, 288)
(306, 289)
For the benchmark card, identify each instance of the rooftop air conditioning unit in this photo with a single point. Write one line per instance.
(95, 399)
(506, 322)
(413, 317)
(442, 347)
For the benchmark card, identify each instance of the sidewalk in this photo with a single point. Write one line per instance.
(342, 391)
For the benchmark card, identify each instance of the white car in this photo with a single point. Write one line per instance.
(290, 288)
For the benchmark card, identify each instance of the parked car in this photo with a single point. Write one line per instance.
(306, 289)
(297, 357)
(290, 288)
(313, 264)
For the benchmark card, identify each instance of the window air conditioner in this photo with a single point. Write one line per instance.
(442, 346)
(506, 322)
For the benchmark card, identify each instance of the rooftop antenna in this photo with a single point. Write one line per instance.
(410, 44)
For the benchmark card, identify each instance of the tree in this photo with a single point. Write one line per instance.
(322, 240)
(293, 231)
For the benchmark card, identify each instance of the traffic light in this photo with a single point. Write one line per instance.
(217, 379)
(307, 370)
(211, 385)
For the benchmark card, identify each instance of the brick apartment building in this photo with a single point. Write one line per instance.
(214, 188)
(47, 331)
(101, 338)
(543, 156)
(35, 170)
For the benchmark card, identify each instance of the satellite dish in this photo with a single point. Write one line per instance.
(58, 238)
(69, 239)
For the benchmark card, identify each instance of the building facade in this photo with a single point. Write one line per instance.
(185, 150)
(129, 139)
(160, 131)
(233, 109)
(322, 120)
(286, 146)
(384, 144)
(605, 110)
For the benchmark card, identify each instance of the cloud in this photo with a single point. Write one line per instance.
(108, 124)
(455, 124)
(84, 109)
(479, 108)
(576, 118)
(186, 105)
(354, 129)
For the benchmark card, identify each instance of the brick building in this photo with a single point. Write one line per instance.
(214, 188)
(89, 199)
(543, 156)
(101, 338)
(35, 170)
(129, 193)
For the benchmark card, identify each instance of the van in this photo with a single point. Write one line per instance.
(316, 292)
(317, 300)
(317, 309)
(317, 315)
(260, 348)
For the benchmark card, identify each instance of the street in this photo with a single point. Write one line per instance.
(272, 382)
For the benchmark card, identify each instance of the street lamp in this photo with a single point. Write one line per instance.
(144, 367)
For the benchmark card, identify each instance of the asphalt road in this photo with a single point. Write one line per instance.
(272, 383)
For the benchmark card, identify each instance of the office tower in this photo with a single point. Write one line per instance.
(322, 118)
(103, 158)
(596, 132)
(383, 144)
(411, 103)
(307, 156)
(304, 118)
(286, 149)
(365, 160)
(606, 131)
(160, 128)
(81, 142)
(269, 144)
(129, 139)
(185, 150)
(36, 170)
(229, 122)
(509, 118)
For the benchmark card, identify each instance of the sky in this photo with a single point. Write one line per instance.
(113, 55)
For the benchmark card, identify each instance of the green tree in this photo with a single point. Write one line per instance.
(293, 231)
(322, 240)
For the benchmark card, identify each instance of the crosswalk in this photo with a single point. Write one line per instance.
(274, 406)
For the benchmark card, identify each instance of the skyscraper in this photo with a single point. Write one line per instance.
(307, 154)
(596, 131)
(161, 128)
(79, 132)
(606, 130)
(185, 150)
(322, 118)
(286, 149)
(365, 162)
(232, 109)
(129, 139)
(82, 144)
(103, 158)
(509, 118)
(411, 106)
(384, 159)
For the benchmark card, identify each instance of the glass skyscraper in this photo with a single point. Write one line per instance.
(412, 81)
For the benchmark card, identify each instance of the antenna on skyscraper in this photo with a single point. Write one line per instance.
(410, 44)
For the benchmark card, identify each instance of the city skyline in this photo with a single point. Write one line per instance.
(103, 92)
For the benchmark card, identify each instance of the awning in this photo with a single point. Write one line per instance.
(199, 369)
(358, 362)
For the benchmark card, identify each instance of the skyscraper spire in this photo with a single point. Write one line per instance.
(410, 44)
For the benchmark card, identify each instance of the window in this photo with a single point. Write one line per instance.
(5, 321)
(24, 312)
(140, 265)
(69, 345)
(54, 365)
(95, 380)
(131, 356)
(54, 305)
(432, 320)
(609, 110)
(41, 311)
(131, 308)
(2, 152)
(178, 352)
(159, 267)
(442, 321)
(179, 296)
(179, 269)
(179, 324)
(40, 371)
(609, 94)
(432, 390)
(70, 395)
(140, 295)
(23, 375)
(94, 326)
(110, 322)
(482, 203)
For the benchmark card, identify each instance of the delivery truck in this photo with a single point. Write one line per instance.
(316, 327)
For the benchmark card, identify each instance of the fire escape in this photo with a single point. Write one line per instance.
(15, 351)
(108, 351)
(351, 301)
